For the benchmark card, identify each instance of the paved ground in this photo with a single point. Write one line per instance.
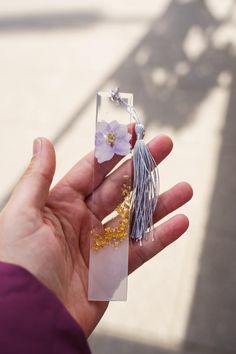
(178, 58)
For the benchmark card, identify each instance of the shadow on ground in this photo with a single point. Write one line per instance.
(60, 20)
(213, 317)
(106, 344)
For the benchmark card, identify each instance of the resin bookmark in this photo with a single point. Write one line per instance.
(109, 246)
(128, 209)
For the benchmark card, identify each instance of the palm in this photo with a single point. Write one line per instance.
(52, 239)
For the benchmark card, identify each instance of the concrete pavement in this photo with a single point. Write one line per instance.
(178, 58)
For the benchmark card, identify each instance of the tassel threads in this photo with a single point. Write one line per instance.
(145, 188)
(146, 179)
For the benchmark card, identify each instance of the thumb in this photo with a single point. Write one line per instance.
(33, 188)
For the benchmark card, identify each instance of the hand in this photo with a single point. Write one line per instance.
(48, 233)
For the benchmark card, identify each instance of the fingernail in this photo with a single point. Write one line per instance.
(37, 146)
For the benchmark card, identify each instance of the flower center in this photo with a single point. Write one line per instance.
(111, 137)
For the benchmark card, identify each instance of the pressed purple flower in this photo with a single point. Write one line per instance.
(110, 139)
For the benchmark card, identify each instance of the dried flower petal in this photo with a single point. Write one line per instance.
(111, 138)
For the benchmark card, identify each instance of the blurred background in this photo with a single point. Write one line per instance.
(178, 58)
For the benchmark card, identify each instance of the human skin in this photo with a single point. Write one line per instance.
(47, 231)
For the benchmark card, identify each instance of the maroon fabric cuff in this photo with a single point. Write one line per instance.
(32, 319)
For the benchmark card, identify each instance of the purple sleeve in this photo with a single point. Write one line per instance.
(32, 319)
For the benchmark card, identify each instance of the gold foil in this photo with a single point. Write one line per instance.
(114, 235)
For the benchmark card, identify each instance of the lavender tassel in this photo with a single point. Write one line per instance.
(145, 182)
(145, 188)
